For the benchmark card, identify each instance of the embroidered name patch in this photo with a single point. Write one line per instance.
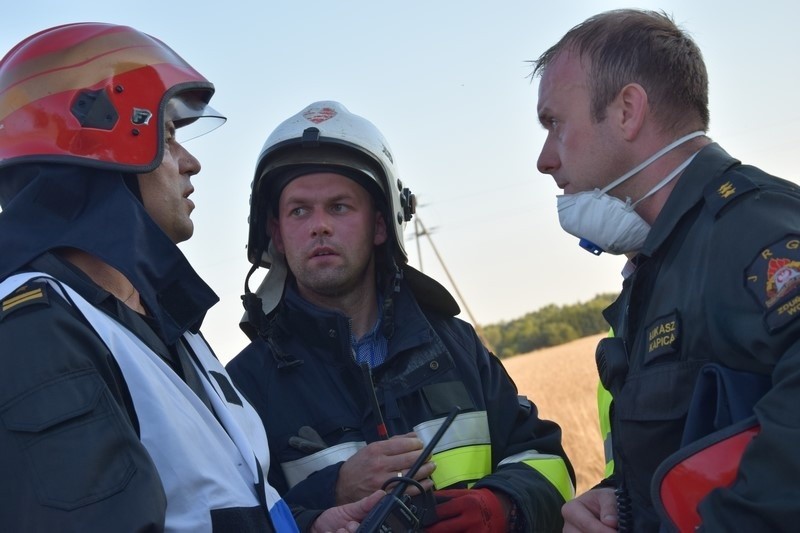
(663, 336)
(773, 278)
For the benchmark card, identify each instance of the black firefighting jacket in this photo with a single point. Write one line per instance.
(304, 375)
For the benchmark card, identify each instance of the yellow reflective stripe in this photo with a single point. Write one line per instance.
(550, 466)
(555, 470)
(465, 464)
(604, 400)
(609, 469)
(299, 469)
(464, 453)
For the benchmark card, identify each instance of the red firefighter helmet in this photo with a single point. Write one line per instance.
(96, 94)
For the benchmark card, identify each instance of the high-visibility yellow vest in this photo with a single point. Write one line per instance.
(604, 401)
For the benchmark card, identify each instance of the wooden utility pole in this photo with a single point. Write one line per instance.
(417, 233)
(420, 229)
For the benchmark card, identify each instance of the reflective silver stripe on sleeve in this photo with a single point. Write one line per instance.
(525, 456)
(299, 469)
(468, 429)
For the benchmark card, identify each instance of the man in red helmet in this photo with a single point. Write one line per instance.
(116, 415)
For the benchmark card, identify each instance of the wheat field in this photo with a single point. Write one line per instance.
(562, 382)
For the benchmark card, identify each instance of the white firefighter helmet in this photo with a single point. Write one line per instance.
(325, 136)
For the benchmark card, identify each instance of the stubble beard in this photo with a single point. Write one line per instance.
(336, 282)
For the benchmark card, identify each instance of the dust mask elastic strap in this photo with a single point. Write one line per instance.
(650, 161)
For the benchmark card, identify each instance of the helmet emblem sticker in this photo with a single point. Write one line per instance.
(141, 117)
(317, 114)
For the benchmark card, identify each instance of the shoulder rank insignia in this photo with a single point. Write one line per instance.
(721, 191)
(774, 279)
(29, 294)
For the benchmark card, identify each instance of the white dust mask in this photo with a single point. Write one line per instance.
(605, 223)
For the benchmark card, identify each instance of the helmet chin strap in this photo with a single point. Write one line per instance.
(254, 322)
(259, 305)
(392, 289)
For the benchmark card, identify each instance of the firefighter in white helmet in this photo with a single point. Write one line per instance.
(356, 357)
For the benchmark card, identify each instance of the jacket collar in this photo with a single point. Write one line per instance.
(329, 330)
(93, 210)
(710, 163)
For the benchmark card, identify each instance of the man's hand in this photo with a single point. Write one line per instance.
(367, 470)
(594, 511)
(468, 510)
(346, 518)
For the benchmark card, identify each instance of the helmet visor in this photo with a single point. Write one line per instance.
(192, 117)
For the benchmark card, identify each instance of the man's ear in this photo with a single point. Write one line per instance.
(380, 228)
(274, 232)
(630, 109)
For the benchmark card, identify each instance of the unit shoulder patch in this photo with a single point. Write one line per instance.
(773, 278)
(31, 294)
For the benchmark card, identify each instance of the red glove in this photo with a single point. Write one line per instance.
(469, 510)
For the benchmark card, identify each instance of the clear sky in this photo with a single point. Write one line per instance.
(446, 82)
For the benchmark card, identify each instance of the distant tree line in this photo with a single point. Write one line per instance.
(549, 326)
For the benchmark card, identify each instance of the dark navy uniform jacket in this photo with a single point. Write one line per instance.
(717, 281)
(62, 395)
